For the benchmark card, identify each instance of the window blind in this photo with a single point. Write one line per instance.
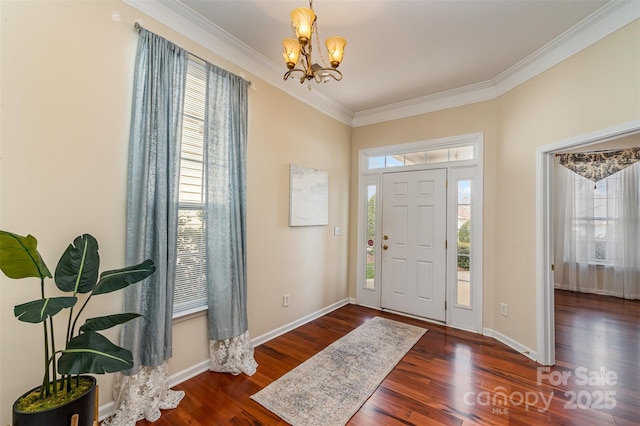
(190, 292)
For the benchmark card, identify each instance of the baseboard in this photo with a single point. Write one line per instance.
(257, 341)
(184, 375)
(107, 409)
(517, 346)
(203, 366)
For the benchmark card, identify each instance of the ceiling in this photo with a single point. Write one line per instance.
(398, 50)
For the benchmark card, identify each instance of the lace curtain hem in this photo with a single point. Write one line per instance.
(233, 355)
(142, 396)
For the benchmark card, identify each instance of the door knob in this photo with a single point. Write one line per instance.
(384, 247)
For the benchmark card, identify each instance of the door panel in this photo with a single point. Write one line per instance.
(399, 277)
(425, 280)
(414, 262)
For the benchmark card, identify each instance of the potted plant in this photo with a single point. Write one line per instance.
(84, 350)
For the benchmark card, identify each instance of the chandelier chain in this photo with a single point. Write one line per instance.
(317, 33)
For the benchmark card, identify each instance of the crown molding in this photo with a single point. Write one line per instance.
(606, 20)
(449, 99)
(603, 22)
(194, 26)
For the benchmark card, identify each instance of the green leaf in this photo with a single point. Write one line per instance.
(39, 310)
(19, 257)
(103, 323)
(121, 278)
(93, 353)
(77, 270)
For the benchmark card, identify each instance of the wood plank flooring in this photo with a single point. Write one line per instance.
(451, 377)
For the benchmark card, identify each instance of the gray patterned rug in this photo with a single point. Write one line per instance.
(328, 388)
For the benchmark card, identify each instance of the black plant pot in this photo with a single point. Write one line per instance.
(84, 406)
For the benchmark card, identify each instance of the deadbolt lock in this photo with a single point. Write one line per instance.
(386, 237)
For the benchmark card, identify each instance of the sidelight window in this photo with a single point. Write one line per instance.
(463, 249)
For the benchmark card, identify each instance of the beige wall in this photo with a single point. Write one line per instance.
(66, 76)
(479, 117)
(594, 89)
(66, 91)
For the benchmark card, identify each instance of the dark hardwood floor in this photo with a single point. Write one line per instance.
(451, 377)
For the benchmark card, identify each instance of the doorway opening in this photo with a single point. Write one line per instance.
(544, 230)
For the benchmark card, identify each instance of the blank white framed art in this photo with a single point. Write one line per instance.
(308, 196)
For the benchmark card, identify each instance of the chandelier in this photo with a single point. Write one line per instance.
(297, 51)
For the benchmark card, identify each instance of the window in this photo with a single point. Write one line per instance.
(370, 252)
(190, 292)
(597, 224)
(463, 251)
(420, 157)
(595, 219)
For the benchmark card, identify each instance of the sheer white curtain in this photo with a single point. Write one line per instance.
(597, 232)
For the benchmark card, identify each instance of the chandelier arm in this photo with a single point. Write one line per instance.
(338, 78)
(321, 73)
(288, 75)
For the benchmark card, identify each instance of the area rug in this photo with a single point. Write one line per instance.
(329, 388)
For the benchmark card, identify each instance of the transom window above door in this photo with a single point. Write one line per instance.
(421, 157)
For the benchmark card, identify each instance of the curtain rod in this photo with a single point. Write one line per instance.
(138, 27)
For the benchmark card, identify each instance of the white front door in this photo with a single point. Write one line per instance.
(414, 219)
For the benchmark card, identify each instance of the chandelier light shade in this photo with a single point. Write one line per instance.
(303, 19)
(291, 52)
(297, 51)
(335, 47)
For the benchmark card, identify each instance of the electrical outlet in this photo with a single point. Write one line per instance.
(503, 309)
(285, 300)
